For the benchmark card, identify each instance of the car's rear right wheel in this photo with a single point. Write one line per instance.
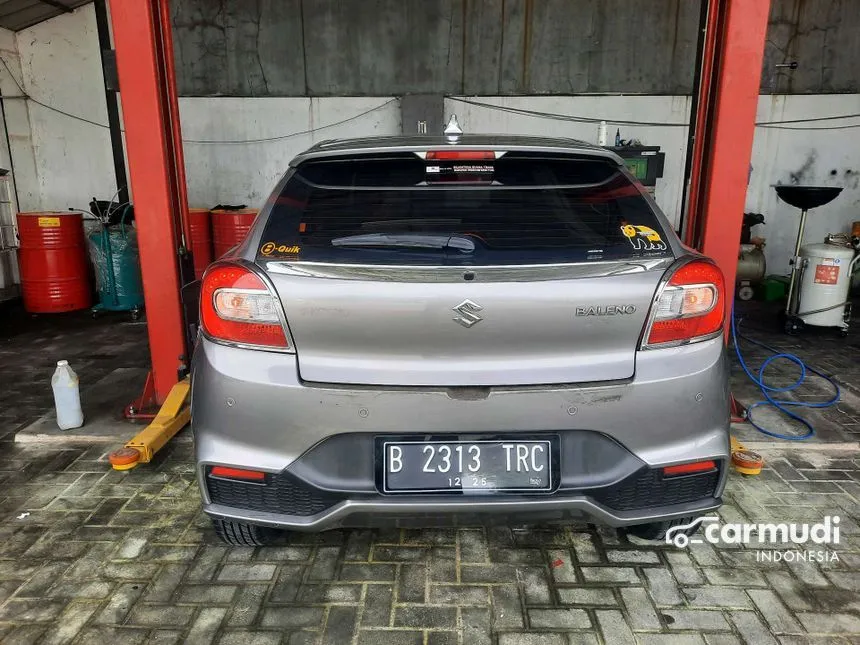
(658, 530)
(243, 534)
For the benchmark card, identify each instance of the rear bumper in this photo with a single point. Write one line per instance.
(250, 409)
(366, 514)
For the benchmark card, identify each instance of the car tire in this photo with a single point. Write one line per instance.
(657, 530)
(242, 533)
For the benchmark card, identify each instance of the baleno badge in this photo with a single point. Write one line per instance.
(468, 311)
(608, 310)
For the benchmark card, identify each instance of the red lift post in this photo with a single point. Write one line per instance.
(725, 125)
(144, 51)
(728, 92)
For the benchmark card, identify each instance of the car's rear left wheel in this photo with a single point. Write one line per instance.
(243, 534)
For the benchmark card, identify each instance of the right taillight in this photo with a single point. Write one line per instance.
(237, 307)
(689, 307)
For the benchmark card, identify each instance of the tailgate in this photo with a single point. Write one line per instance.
(459, 334)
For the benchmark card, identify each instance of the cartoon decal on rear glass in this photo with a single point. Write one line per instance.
(643, 238)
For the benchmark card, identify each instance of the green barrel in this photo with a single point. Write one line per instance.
(117, 266)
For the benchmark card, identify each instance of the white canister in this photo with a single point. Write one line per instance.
(601, 134)
(824, 284)
(67, 397)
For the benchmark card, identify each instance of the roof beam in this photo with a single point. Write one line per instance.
(56, 4)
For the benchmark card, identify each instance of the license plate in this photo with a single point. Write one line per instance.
(420, 466)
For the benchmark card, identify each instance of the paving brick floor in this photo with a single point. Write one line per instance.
(90, 555)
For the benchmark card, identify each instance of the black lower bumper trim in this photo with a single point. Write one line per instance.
(280, 493)
(286, 494)
(650, 488)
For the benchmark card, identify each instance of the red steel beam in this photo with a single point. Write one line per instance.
(702, 118)
(181, 194)
(724, 136)
(155, 163)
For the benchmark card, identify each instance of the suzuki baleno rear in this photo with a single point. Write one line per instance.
(419, 332)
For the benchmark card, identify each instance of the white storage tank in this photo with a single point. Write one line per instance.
(825, 283)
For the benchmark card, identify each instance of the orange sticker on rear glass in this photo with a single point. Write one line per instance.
(271, 248)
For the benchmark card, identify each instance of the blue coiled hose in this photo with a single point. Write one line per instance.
(781, 404)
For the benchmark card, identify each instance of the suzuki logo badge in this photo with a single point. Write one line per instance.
(468, 311)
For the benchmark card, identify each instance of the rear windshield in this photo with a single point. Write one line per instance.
(404, 210)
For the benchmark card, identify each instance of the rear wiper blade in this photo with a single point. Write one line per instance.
(407, 240)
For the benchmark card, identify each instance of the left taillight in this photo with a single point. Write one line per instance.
(236, 306)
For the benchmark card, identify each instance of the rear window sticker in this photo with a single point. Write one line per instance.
(643, 238)
(271, 248)
(459, 172)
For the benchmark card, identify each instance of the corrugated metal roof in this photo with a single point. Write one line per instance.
(20, 14)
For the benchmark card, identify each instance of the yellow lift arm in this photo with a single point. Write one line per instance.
(171, 418)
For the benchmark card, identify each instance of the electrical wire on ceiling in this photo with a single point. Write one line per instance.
(662, 124)
(293, 134)
(828, 127)
(26, 96)
(780, 125)
(564, 117)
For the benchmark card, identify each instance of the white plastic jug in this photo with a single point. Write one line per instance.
(67, 398)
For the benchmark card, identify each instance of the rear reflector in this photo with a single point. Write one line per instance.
(689, 469)
(237, 473)
(460, 155)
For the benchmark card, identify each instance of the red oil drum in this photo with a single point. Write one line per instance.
(201, 239)
(230, 227)
(55, 272)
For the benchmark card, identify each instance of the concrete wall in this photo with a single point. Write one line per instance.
(490, 47)
(245, 173)
(822, 36)
(811, 157)
(17, 149)
(61, 67)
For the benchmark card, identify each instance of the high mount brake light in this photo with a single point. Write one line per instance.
(690, 307)
(237, 307)
(460, 155)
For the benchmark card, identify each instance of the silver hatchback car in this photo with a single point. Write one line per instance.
(429, 330)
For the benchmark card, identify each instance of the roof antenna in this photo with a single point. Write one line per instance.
(453, 130)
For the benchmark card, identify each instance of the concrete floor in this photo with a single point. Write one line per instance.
(819, 347)
(90, 555)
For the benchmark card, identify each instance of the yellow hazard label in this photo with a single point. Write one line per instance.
(49, 222)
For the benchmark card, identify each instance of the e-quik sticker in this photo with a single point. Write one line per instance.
(643, 238)
(271, 248)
